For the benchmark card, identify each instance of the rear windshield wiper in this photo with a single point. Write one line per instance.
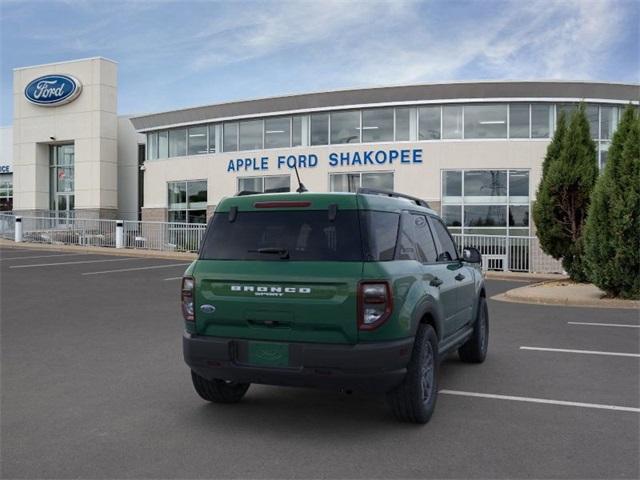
(283, 252)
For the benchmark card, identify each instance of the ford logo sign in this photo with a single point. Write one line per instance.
(53, 90)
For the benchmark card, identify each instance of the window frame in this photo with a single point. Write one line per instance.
(186, 208)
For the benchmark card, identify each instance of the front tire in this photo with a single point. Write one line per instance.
(474, 350)
(414, 400)
(218, 391)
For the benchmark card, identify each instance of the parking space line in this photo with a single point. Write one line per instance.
(138, 268)
(621, 325)
(172, 278)
(541, 400)
(42, 256)
(587, 352)
(75, 263)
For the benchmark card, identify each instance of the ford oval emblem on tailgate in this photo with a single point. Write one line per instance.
(206, 308)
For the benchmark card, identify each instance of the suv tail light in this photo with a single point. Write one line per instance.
(375, 304)
(186, 298)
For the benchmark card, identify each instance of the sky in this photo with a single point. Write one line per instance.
(176, 54)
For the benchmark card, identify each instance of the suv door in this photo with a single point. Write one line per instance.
(462, 277)
(417, 241)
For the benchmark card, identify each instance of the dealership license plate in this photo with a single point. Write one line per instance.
(269, 354)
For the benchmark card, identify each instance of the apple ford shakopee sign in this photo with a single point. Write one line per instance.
(53, 90)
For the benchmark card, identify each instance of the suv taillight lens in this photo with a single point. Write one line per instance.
(374, 304)
(186, 298)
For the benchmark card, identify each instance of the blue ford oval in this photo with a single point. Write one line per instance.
(52, 90)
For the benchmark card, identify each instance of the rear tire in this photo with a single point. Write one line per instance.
(218, 391)
(414, 400)
(474, 350)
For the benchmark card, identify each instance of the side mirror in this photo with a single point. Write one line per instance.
(471, 255)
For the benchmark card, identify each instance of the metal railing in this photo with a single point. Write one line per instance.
(163, 236)
(69, 231)
(7, 226)
(515, 254)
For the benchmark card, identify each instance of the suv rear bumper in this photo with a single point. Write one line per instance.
(370, 367)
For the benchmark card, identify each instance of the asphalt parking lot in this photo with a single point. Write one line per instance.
(94, 386)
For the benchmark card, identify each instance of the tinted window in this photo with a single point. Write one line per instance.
(377, 125)
(429, 123)
(345, 127)
(447, 250)
(403, 124)
(485, 121)
(320, 129)
(425, 245)
(407, 249)
(306, 235)
(251, 135)
(519, 120)
(381, 232)
(178, 142)
(452, 121)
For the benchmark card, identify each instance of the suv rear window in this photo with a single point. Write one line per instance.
(305, 235)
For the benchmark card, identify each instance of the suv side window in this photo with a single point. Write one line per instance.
(416, 242)
(447, 248)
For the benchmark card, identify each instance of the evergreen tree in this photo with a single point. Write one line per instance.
(563, 197)
(612, 233)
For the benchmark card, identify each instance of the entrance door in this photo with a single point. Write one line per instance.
(62, 181)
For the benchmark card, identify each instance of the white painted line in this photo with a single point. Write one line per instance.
(622, 325)
(172, 278)
(138, 268)
(588, 352)
(75, 263)
(42, 256)
(541, 400)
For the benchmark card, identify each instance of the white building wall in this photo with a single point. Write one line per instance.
(128, 169)
(90, 122)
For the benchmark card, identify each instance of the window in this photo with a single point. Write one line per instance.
(296, 131)
(320, 129)
(482, 186)
(350, 182)
(197, 140)
(271, 184)
(377, 125)
(178, 142)
(519, 216)
(305, 235)
(152, 146)
(452, 215)
(380, 231)
(485, 216)
(429, 123)
(163, 144)
(452, 185)
(6, 192)
(452, 121)
(345, 127)
(592, 116)
(447, 248)
(277, 132)
(230, 137)
(485, 121)
(187, 201)
(61, 179)
(541, 120)
(518, 186)
(425, 245)
(403, 124)
(519, 120)
(608, 122)
(251, 135)
(212, 138)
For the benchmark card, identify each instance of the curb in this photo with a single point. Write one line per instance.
(124, 252)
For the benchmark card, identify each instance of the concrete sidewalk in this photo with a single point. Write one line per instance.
(565, 292)
(128, 252)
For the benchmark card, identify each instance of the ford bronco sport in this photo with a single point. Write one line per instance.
(353, 291)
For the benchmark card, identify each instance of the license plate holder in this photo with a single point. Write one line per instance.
(268, 354)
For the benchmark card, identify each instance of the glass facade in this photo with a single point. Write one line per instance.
(384, 124)
(489, 202)
(187, 201)
(350, 182)
(6, 192)
(61, 179)
(269, 184)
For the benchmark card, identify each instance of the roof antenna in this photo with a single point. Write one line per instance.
(301, 188)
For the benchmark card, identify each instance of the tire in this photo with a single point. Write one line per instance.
(414, 400)
(218, 391)
(474, 350)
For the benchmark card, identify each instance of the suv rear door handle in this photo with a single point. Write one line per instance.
(459, 277)
(435, 282)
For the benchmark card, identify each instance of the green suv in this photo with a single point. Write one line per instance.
(351, 291)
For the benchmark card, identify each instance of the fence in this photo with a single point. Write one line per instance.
(517, 254)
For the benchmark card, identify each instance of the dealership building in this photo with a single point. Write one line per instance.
(473, 150)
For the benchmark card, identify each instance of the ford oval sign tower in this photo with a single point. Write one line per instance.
(53, 90)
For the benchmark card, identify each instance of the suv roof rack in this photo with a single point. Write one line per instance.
(389, 193)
